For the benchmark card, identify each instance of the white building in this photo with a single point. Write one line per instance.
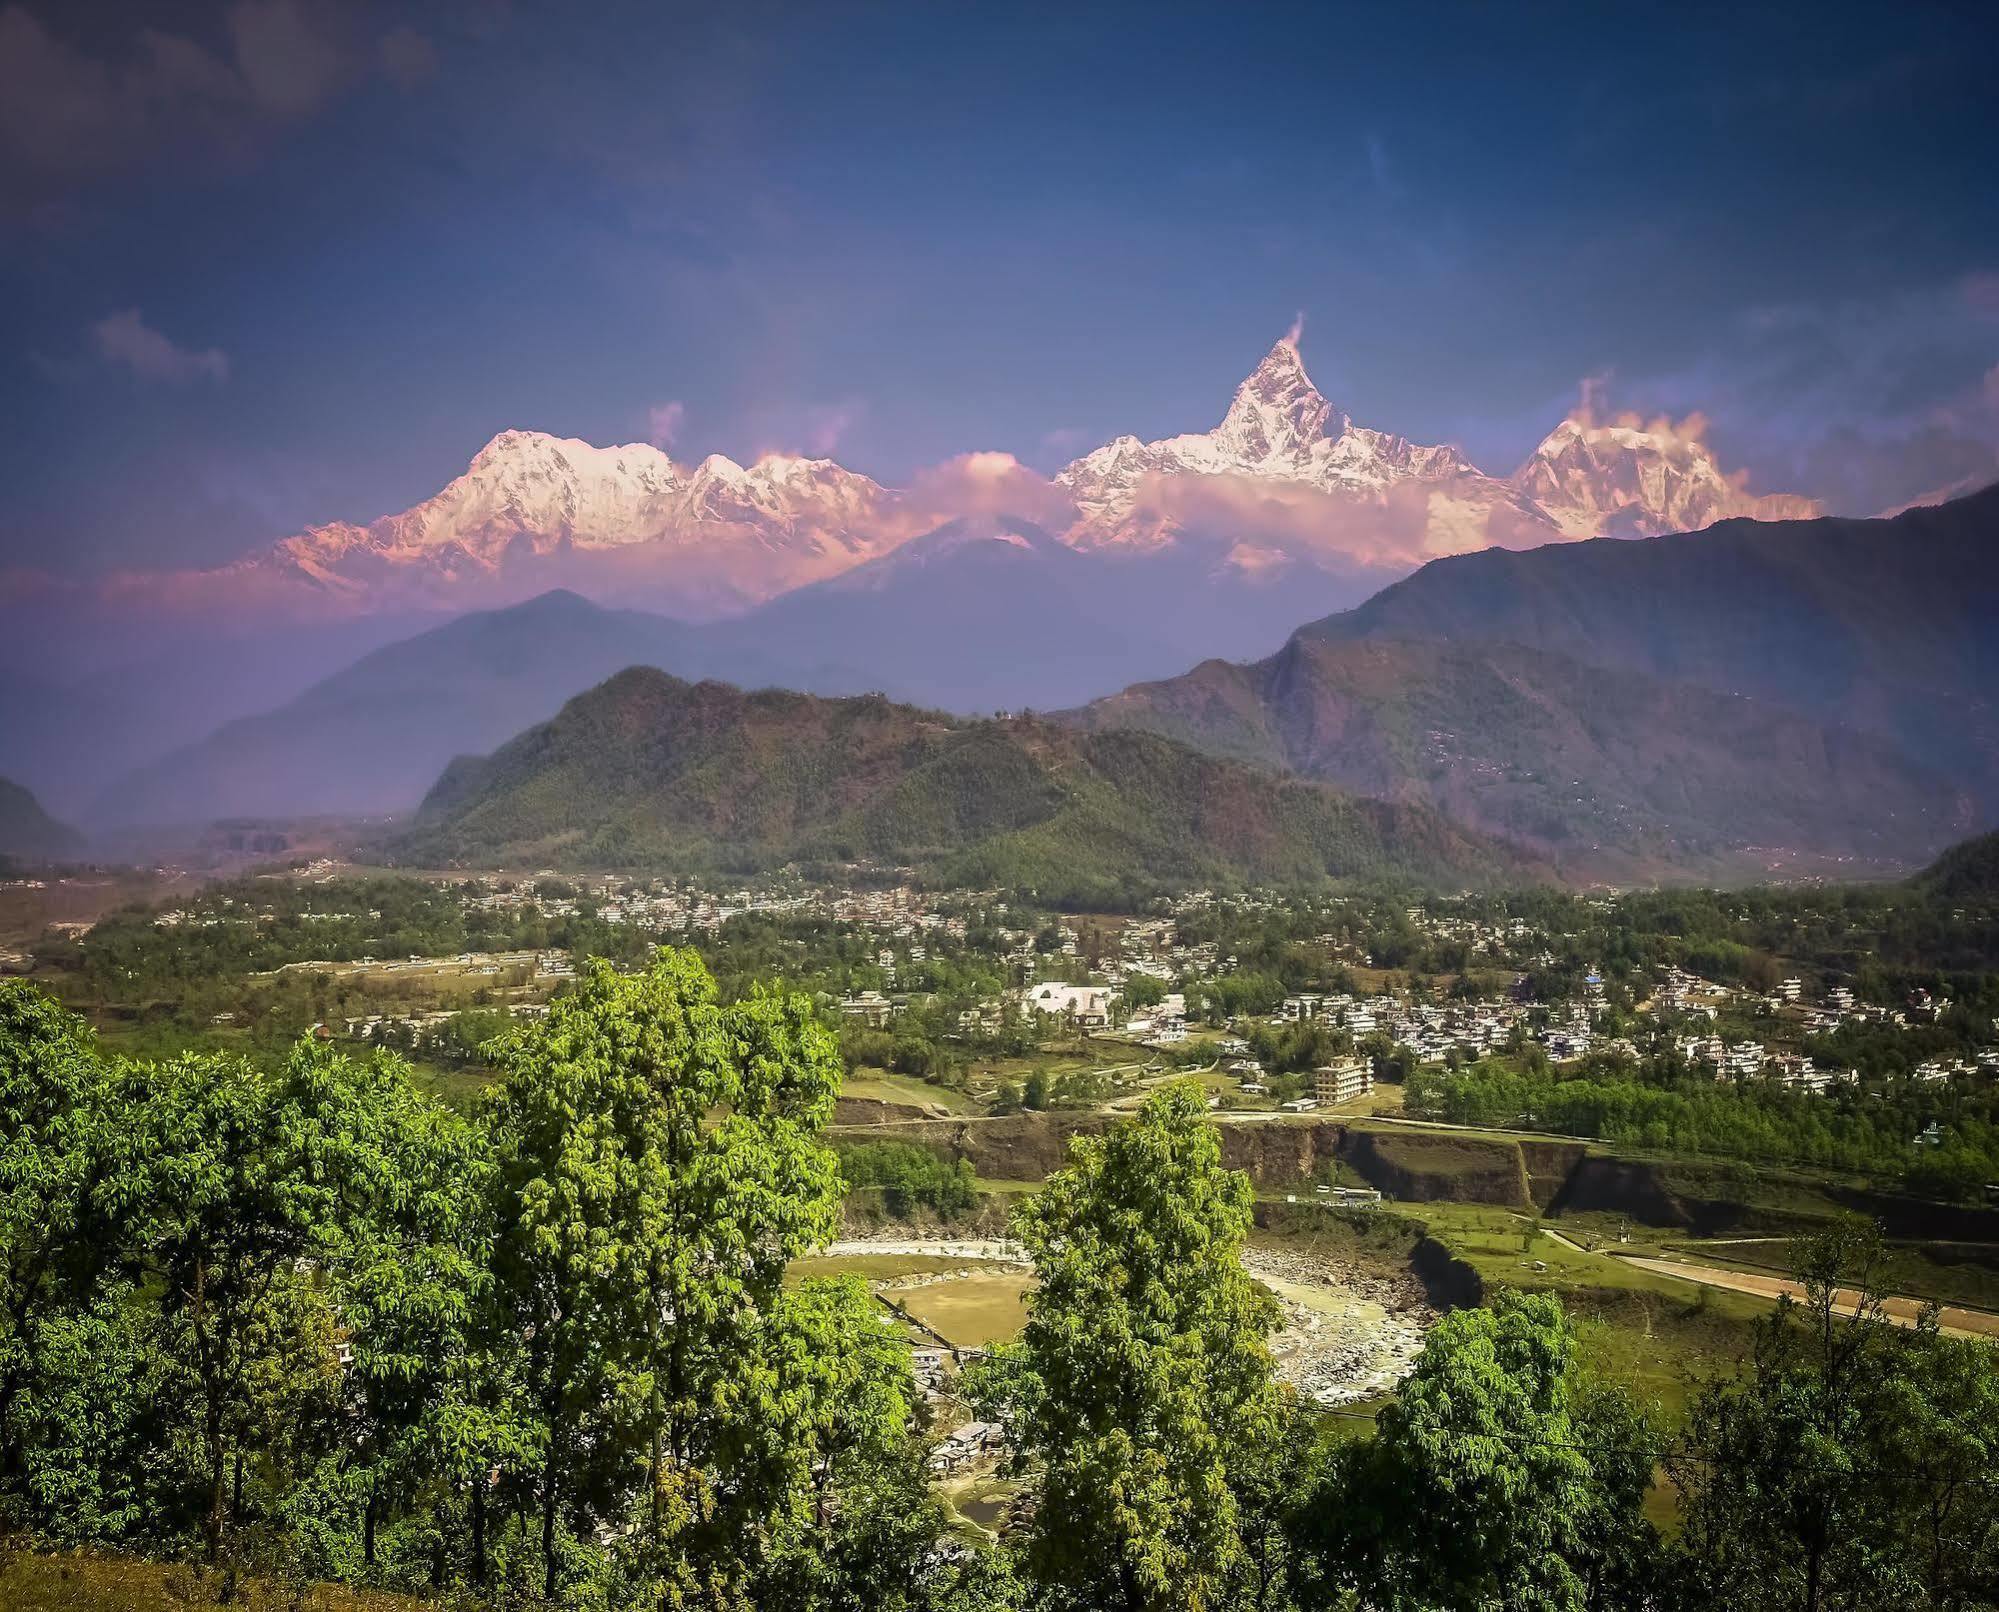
(1343, 1081)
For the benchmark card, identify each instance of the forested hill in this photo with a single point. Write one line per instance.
(28, 833)
(1889, 626)
(1966, 872)
(647, 771)
(1612, 772)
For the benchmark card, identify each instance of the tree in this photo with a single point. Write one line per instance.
(1495, 1481)
(52, 1152)
(659, 1164)
(1851, 1467)
(398, 1185)
(1143, 1376)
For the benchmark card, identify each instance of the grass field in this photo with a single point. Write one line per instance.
(80, 1582)
(885, 1086)
(1950, 1273)
(972, 1311)
(1655, 1335)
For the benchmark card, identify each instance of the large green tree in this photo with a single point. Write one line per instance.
(659, 1164)
(1497, 1481)
(1143, 1378)
(52, 1153)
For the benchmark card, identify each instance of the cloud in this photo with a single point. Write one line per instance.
(1981, 293)
(827, 423)
(987, 483)
(663, 422)
(288, 63)
(1382, 172)
(75, 105)
(1296, 333)
(125, 338)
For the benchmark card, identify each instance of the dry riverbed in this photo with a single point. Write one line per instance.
(1344, 1337)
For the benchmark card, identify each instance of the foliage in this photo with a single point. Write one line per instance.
(911, 1177)
(1497, 1480)
(1852, 1466)
(1143, 1375)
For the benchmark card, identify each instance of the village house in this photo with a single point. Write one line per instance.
(1343, 1081)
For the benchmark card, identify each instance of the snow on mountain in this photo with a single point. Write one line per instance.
(745, 532)
(1285, 480)
(1631, 480)
(1279, 429)
(1391, 499)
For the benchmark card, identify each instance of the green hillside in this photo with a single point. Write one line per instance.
(1966, 872)
(647, 771)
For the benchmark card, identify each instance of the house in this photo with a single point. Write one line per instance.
(870, 1007)
(1343, 1081)
(964, 1446)
(1087, 1005)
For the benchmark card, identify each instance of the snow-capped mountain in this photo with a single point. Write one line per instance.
(1632, 480)
(1281, 433)
(1279, 429)
(1285, 484)
(728, 532)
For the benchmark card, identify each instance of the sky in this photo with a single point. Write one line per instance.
(270, 262)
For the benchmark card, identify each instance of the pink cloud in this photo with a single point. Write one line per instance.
(988, 483)
(664, 421)
(826, 424)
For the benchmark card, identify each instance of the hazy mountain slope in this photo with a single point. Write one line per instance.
(647, 770)
(1604, 770)
(985, 613)
(1889, 626)
(29, 834)
(372, 737)
(991, 612)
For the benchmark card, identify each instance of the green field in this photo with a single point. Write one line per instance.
(1655, 1335)
(886, 1086)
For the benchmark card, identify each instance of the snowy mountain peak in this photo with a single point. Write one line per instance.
(1277, 411)
(1632, 478)
(1279, 428)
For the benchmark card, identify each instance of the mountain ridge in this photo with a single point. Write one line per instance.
(533, 509)
(649, 770)
(1605, 773)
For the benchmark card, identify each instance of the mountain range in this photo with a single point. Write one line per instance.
(648, 771)
(1133, 562)
(1726, 704)
(1286, 481)
(1889, 627)
(1610, 774)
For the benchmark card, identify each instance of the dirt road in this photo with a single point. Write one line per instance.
(1902, 1311)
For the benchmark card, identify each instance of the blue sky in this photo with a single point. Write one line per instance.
(265, 263)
